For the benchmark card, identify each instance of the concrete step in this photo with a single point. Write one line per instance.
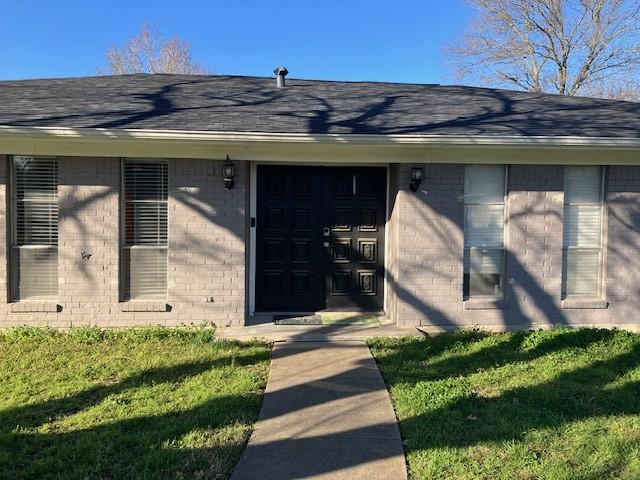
(305, 333)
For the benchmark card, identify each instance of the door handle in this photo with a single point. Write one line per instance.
(326, 231)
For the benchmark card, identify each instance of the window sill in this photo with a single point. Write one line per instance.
(35, 306)
(484, 304)
(145, 306)
(584, 303)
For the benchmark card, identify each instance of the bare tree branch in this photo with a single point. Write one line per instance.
(569, 47)
(149, 52)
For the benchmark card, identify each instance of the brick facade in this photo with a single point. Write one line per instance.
(426, 232)
(206, 249)
(207, 280)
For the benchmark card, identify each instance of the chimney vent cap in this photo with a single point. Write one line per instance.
(280, 72)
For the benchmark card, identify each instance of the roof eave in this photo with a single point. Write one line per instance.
(319, 148)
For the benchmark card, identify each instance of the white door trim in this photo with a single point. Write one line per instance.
(386, 246)
(253, 190)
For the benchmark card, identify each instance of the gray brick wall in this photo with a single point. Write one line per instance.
(534, 211)
(206, 242)
(207, 257)
(391, 253)
(206, 253)
(427, 280)
(623, 245)
(426, 231)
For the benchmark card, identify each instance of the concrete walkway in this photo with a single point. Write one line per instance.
(326, 414)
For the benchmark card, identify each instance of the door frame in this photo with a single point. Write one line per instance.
(253, 209)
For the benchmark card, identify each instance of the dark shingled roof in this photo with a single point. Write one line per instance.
(251, 104)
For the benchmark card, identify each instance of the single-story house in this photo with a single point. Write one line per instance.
(178, 199)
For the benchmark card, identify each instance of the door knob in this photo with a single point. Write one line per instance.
(326, 244)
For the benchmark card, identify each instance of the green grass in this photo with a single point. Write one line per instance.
(141, 403)
(562, 404)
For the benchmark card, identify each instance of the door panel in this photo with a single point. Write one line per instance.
(355, 211)
(320, 238)
(288, 234)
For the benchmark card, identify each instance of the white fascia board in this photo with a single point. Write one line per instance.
(356, 139)
(320, 149)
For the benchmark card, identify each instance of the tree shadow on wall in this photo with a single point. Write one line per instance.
(89, 199)
(442, 221)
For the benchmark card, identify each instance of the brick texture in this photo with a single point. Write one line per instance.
(425, 232)
(207, 255)
(206, 265)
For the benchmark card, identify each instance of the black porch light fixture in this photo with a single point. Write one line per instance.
(416, 178)
(228, 172)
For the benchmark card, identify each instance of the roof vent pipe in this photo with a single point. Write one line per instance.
(280, 72)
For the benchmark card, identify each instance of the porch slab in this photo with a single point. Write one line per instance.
(326, 415)
(313, 333)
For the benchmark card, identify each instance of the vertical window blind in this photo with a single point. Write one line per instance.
(582, 235)
(484, 190)
(34, 248)
(144, 255)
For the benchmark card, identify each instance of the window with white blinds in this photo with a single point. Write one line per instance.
(34, 245)
(582, 236)
(484, 190)
(144, 254)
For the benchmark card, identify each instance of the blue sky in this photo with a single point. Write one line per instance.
(325, 39)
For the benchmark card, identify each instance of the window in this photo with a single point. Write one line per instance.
(144, 254)
(582, 236)
(484, 189)
(34, 240)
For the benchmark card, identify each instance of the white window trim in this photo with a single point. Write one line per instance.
(123, 271)
(600, 294)
(13, 295)
(496, 301)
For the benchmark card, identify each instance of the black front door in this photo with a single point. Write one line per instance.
(320, 238)
(288, 239)
(354, 217)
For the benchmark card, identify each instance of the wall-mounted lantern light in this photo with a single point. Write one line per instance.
(228, 172)
(416, 178)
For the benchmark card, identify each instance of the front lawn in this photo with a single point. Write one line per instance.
(562, 404)
(128, 404)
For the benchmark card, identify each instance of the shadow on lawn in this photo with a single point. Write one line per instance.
(475, 417)
(144, 447)
(457, 419)
(135, 447)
